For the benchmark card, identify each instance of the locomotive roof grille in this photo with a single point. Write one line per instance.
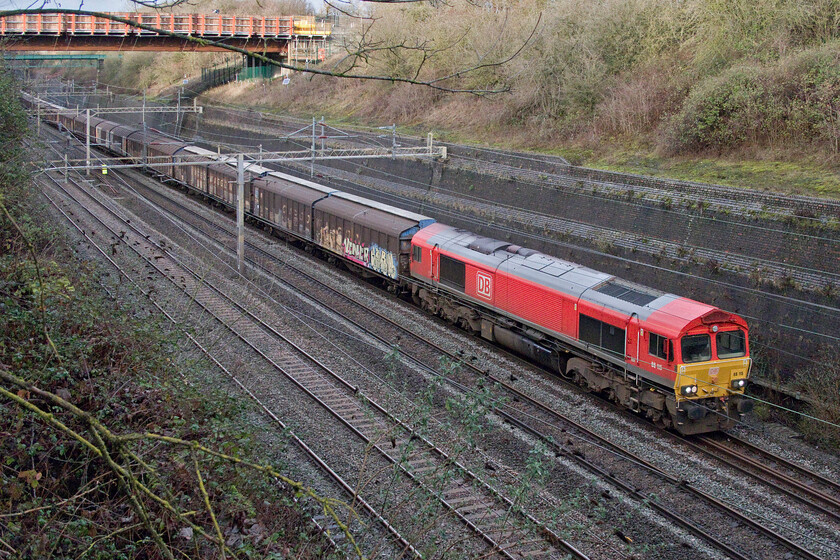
(487, 245)
(625, 291)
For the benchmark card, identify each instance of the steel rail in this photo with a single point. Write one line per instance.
(788, 464)
(315, 458)
(272, 274)
(583, 179)
(812, 494)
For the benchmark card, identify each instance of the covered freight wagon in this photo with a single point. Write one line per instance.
(373, 235)
(287, 204)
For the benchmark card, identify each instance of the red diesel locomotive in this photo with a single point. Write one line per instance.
(682, 363)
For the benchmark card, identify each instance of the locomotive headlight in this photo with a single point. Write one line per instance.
(689, 390)
(738, 383)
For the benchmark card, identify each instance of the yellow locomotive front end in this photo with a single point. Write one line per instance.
(712, 369)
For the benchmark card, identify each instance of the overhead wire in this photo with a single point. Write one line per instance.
(769, 262)
(802, 304)
(308, 321)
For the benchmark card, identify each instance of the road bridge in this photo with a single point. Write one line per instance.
(275, 36)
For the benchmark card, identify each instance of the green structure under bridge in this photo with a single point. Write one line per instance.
(248, 69)
(30, 61)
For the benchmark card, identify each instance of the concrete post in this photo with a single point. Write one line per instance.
(66, 169)
(178, 113)
(87, 144)
(240, 212)
(312, 161)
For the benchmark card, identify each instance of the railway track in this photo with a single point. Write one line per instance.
(783, 273)
(804, 485)
(559, 449)
(152, 258)
(734, 201)
(496, 520)
(518, 415)
(554, 171)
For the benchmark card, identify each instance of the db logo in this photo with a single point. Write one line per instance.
(484, 285)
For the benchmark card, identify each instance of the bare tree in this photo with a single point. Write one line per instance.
(414, 57)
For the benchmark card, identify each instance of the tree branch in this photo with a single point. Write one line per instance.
(208, 506)
(41, 304)
(133, 488)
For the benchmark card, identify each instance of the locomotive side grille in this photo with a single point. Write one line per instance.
(603, 335)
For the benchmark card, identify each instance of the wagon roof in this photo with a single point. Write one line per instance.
(418, 219)
(365, 215)
(139, 136)
(167, 145)
(293, 191)
(223, 169)
(199, 151)
(311, 184)
(124, 130)
(108, 126)
(94, 121)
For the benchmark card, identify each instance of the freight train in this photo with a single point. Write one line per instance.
(681, 363)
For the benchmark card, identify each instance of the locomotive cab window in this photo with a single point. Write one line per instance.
(660, 347)
(416, 253)
(731, 344)
(453, 273)
(696, 348)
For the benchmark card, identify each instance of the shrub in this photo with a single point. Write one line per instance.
(821, 382)
(794, 101)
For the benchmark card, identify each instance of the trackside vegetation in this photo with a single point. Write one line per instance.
(111, 446)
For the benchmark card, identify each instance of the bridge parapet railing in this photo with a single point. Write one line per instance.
(207, 25)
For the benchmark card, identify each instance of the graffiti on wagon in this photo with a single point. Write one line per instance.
(374, 257)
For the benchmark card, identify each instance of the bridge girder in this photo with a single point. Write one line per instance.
(69, 43)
